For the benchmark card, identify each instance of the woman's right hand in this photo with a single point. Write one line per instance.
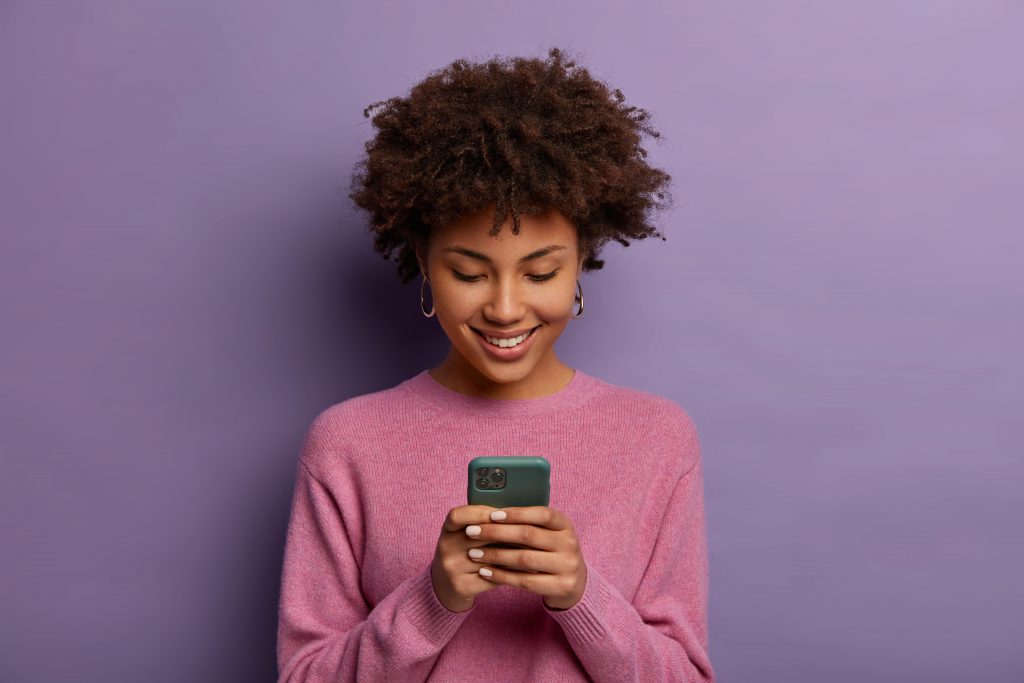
(455, 576)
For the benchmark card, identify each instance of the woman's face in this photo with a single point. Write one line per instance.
(504, 284)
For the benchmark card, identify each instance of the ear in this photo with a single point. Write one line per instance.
(582, 247)
(421, 256)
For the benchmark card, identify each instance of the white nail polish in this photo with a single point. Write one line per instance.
(498, 515)
(484, 571)
(476, 553)
(473, 530)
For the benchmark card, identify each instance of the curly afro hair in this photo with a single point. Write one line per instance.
(523, 134)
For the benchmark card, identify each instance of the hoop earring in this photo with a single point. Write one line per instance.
(422, 286)
(579, 297)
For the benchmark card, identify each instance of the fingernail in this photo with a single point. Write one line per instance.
(473, 530)
(484, 571)
(498, 515)
(476, 553)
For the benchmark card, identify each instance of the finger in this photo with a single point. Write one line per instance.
(540, 515)
(541, 584)
(523, 560)
(459, 517)
(522, 534)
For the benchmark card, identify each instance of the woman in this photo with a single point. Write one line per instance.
(499, 183)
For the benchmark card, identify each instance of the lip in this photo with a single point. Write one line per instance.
(505, 335)
(508, 354)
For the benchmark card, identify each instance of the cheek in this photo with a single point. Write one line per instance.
(558, 302)
(455, 301)
(454, 310)
(554, 307)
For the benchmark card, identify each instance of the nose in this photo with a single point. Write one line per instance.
(505, 303)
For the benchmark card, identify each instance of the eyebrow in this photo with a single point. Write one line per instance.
(487, 259)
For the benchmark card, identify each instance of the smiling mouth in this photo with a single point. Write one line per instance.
(484, 337)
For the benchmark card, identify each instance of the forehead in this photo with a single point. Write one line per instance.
(535, 231)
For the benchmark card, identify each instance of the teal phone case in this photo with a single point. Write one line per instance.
(527, 481)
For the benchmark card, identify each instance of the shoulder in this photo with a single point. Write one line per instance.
(668, 424)
(652, 406)
(333, 430)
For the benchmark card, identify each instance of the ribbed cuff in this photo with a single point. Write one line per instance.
(435, 621)
(584, 622)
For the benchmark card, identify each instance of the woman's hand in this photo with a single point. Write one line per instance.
(453, 574)
(552, 565)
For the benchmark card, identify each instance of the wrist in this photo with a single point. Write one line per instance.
(561, 605)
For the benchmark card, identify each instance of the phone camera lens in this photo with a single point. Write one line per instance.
(498, 477)
(482, 483)
(483, 471)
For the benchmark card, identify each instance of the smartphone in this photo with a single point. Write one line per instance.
(509, 481)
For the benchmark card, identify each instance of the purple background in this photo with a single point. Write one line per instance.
(838, 306)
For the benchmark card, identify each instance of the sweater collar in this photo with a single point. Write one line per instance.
(579, 389)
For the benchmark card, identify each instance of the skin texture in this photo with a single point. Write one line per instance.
(553, 555)
(504, 297)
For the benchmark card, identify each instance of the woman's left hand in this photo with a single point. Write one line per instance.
(553, 552)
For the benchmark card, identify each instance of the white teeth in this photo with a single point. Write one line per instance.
(507, 343)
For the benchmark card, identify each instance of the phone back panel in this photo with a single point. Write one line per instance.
(527, 481)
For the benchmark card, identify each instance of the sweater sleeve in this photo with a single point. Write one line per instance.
(662, 634)
(326, 629)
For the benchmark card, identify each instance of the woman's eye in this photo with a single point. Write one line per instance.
(542, 278)
(474, 278)
(465, 278)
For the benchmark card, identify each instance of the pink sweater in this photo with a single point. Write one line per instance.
(378, 473)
